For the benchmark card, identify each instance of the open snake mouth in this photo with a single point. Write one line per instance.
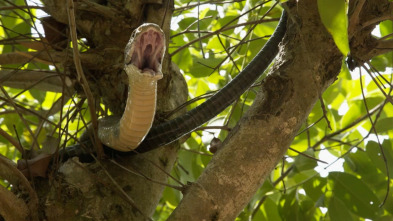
(147, 50)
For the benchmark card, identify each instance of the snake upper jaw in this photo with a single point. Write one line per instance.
(145, 50)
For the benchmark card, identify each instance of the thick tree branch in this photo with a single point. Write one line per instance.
(89, 60)
(9, 172)
(41, 80)
(384, 46)
(364, 18)
(11, 207)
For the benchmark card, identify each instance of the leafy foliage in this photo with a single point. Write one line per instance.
(337, 173)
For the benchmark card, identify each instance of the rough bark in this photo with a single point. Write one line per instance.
(307, 64)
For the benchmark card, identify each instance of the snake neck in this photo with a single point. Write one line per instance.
(139, 112)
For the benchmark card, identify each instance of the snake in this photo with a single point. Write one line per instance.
(143, 57)
(171, 130)
(174, 129)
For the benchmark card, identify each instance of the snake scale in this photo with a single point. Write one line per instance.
(172, 130)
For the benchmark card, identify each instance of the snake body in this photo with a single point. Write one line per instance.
(172, 130)
(143, 55)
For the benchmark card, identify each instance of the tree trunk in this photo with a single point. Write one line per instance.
(307, 64)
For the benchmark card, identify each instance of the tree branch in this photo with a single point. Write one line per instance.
(91, 60)
(9, 172)
(262, 137)
(82, 78)
(41, 80)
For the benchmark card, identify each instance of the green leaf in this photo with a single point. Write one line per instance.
(315, 189)
(354, 111)
(385, 218)
(289, 206)
(182, 59)
(384, 125)
(215, 44)
(335, 93)
(204, 67)
(386, 27)
(334, 16)
(268, 211)
(380, 62)
(171, 196)
(225, 20)
(361, 163)
(338, 210)
(355, 194)
(265, 29)
(345, 73)
(374, 152)
(38, 95)
(186, 22)
(303, 163)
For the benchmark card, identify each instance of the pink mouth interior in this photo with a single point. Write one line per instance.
(147, 55)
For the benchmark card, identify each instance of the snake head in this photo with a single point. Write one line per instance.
(145, 50)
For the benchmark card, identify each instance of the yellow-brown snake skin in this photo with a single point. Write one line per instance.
(143, 54)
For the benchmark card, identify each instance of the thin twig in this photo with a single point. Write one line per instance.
(379, 111)
(196, 152)
(355, 122)
(137, 173)
(25, 158)
(388, 98)
(223, 28)
(203, 3)
(282, 172)
(15, 106)
(379, 142)
(308, 135)
(308, 156)
(325, 112)
(187, 30)
(199, 32)
(189, 102)
(12, 140)
(20, 7)
(247, 34)
(231, 113)
(82, 78)
(164, 171)
(225, 127)
(275, 183)
(228, 53)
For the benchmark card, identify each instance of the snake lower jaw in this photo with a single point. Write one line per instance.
(153, 75)
(148, 74)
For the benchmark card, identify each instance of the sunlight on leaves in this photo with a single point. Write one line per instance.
(334, 17)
